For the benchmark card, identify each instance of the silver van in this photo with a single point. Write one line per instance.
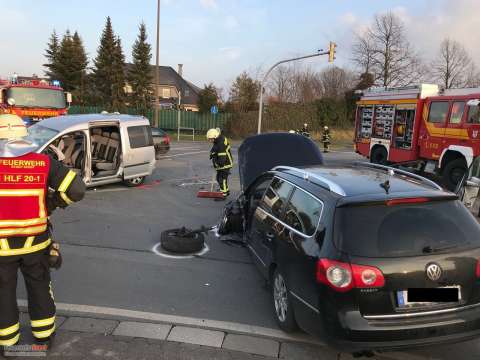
(103, 148)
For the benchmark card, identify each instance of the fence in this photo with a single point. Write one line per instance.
(168, 119)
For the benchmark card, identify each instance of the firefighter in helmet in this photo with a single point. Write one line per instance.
(326, 139)
(305, 131)
(31, 186)
(221, 156)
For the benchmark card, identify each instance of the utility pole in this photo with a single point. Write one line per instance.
(157, 69)
(331, 57)
(179, 114)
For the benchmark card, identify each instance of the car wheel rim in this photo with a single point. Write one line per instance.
(280, 298)
(136, 181)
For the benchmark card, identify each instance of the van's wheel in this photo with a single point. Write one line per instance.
(379, 156)
(453, 173)
(282, 303)
(179, 241)
(135, 181)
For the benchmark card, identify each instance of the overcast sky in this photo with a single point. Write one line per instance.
(217, 39)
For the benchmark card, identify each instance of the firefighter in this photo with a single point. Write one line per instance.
(326, 139)
(221, 156)
(305, 131)
(31, 186)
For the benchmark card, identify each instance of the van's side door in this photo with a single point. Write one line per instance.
(266, 226)
(138, 151)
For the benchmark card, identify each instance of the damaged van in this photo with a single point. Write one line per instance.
(102, 148)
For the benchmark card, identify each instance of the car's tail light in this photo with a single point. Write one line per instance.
(418, 200)
(166, 141)
(478, 269)
(344, 276)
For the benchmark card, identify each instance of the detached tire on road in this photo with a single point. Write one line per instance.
(173, 241)
(453, 173)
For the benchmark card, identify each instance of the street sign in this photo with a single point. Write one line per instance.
(214, 109)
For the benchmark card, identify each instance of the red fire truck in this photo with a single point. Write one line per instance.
(437, 130)
(33, 99)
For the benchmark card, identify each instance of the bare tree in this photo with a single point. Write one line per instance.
(385, 52)
(473, 76)
(362, 53)
(452, 65)
(336, 81)
(281, 84)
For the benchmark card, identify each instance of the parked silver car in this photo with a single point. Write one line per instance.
(103, 148)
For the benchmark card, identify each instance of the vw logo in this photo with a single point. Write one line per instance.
(434, 272)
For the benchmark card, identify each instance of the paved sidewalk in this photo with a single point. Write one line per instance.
(81, 337)
(84, 337)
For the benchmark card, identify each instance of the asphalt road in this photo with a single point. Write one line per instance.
(107, 242)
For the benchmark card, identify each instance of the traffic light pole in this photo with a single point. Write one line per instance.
(330, 52)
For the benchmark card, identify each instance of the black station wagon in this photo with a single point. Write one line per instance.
(366, 257)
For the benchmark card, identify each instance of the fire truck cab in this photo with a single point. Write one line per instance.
(438, 130)
(33, 100)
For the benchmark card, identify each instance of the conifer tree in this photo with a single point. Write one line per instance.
(140, 76)
(51, 53)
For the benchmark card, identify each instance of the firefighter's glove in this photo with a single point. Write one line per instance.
(54, 256)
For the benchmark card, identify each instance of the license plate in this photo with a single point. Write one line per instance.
(428, 296)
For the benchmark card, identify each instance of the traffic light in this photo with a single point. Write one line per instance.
(331, 51)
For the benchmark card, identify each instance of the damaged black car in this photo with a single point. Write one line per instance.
(366, 257)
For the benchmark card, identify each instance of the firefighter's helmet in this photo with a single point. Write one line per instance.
(325, 128)
(12, 127)
(213, 134)
(305, 125)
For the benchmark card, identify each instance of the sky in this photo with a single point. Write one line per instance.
(218, 39)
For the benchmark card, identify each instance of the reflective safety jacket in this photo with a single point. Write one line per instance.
(24, 207)
(221, 154)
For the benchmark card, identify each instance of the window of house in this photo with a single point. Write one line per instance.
(187, 92)
(438, 111)
(473, 114)
(303, 212)
(140, 136)
(457, 112)
(276, 197)
(166, 93)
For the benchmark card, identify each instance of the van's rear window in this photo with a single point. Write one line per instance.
(405, 230)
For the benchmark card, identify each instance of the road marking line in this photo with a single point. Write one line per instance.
(184, 154)
(226, 326)
(184, 148)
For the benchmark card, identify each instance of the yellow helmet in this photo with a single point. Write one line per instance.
(213, 134)
(12, 127)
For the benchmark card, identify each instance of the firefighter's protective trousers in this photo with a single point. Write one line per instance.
(25, 238)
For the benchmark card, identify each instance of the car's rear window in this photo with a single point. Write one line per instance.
(405, 230)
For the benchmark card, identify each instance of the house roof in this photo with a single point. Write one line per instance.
(169, 77)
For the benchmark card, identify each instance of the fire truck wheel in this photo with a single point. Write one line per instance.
(453, 173)
(379, 156)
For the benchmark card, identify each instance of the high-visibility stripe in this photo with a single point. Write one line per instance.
(10, 330)
(29, 242)
(10, 342)
(26, 222)
(65, 198)
(4, 244)
(23, 231)
(67, 181)
(44, 322)
(43, 334)
(29, 250)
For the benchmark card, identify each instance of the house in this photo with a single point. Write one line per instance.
(171, 83)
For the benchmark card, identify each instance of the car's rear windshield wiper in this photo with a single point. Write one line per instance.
(429, 249)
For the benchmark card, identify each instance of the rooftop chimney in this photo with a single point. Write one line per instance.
(180, 70)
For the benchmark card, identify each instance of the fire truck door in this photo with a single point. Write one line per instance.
(432, 134)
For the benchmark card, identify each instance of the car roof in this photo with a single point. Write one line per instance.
(61, 123)
(363, 182)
